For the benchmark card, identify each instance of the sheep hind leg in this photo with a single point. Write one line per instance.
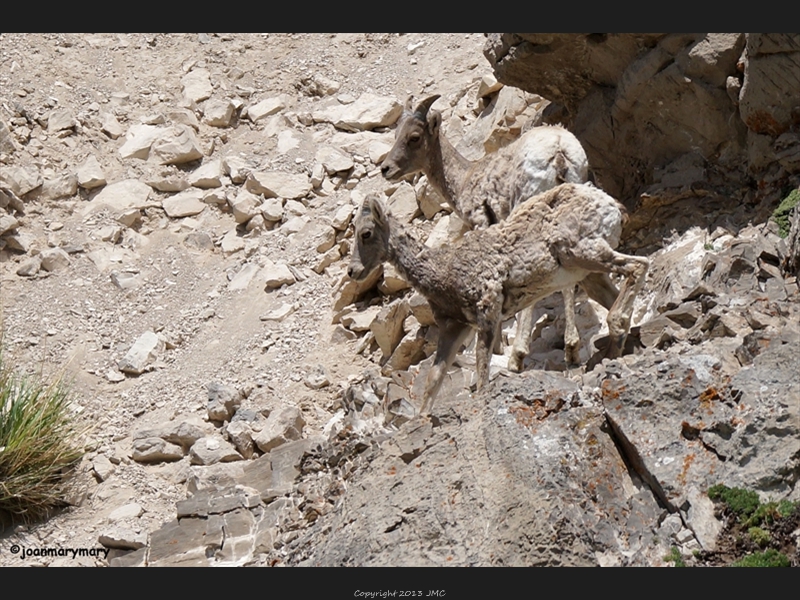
(572, 341)
(452, 335)
(600, 288)
(598, 256)
(633, 269)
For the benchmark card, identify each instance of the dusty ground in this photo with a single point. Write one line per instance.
(77, 321)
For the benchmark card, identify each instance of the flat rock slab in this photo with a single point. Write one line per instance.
(122, 196)
(265, 108)
(368, 112)
(212, 449)
(184, 204)
(278, 184)
(153, 450)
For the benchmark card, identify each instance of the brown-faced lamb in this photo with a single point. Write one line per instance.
(549, 243)
(486, 191)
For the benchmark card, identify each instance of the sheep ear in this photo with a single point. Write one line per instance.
(377, 209)
(434, 121)
(407, 108)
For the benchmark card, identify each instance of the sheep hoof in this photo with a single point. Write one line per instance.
(515, 362)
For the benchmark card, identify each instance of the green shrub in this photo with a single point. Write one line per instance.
(781, 214)
(760, 537)
(38, 445)
(742, 502)
(768, 558)
(675, 557)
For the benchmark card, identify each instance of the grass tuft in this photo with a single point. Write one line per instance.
(781, 214)
(38, 445)
(768, 558)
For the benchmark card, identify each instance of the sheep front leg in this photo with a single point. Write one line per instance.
(522, 340)
(487, 330)
(572, 341)
(452, 336)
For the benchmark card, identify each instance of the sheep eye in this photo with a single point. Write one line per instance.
(366, 235)
(414, 139)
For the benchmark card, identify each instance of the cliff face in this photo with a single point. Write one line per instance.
(670, 117)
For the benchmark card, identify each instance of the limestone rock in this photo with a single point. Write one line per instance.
(22, 179)
(110, 126)
(121, 196)
(141, 353)
(7, 143)
(276, 275)
(212, 449)
(59, 120)
(361, 320)
(177, 145)
(241, 436)
(282, 425)
(128, 511)
(368, 112)
(238, 167)
(90, 174)
(403, 203)
(334, 160)
(150, 450)
(218, 113)
(184, 204)
(167, 181)
(7, 223)
(197, 85)
(279, 184)
(392, 281)
(265, 108)
(138, 141)
(102, 467)
(232, 242)
(122, 539)
(223, 401)
(244, 206)
(343, 216)
(60, 186)
(54, 259)
(388, 326)
(208, 175)
(272, 209)
(489, 85)
(30, 266)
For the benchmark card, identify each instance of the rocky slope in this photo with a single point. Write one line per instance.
(174, 232)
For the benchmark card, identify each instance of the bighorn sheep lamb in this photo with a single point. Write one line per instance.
(549, 243)
(486, 191)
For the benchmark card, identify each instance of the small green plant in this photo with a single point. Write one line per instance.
(675, 557)
(38, 445)
(760, 537)
(768, 558)
(781, 214)
(742, 502)
(708, 246)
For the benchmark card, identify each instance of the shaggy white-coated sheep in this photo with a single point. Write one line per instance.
(549, 243)
(487, 191)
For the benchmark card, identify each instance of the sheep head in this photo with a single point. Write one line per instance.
(416, 136)
(371, 247)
